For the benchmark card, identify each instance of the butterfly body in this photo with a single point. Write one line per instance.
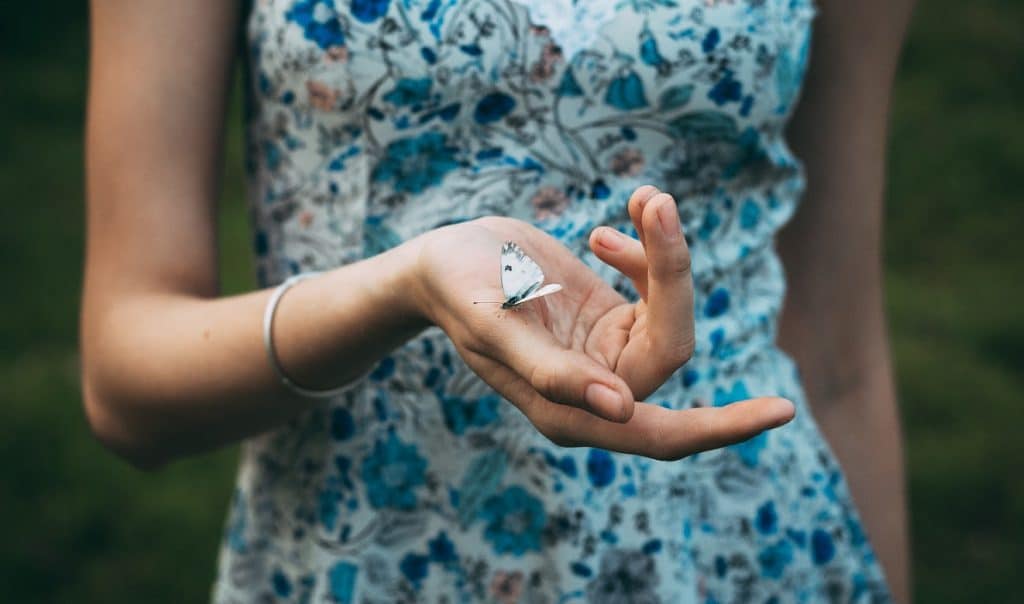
(521, 277)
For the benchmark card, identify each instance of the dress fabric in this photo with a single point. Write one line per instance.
(372, 121)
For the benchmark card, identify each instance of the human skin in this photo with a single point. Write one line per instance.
(833, 322)
(170, 368)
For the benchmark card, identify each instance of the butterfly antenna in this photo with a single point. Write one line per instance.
(487, 302)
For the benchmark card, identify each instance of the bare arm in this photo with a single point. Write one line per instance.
(834, 322)
(169, 368)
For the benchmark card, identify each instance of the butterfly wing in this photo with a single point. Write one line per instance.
(550, 288)
(520, 275)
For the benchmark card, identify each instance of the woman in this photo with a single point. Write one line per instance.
(396, 145)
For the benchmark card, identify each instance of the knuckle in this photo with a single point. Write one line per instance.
(657, 446)
(674, 352)
(711, 430)
(680, 352)
(684, 261)
(675, 265)
(541, 378)
(551, 383)
(665, 443)
(662, 448)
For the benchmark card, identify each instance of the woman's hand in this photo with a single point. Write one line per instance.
(575, 362)
(169, 367)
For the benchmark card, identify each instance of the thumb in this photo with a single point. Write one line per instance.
(557, 373)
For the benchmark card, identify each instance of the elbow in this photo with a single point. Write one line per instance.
(115, 429)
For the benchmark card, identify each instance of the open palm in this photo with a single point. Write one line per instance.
(576, 362)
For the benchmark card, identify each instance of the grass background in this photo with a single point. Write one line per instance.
(84, 527)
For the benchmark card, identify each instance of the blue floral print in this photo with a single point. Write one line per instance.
(460, 414)
(626, 92)
(822, 548)
(414, 164)
(600, 468)
(625, 576)
(727, 89)
(767, 521)
(341, 580)
(514, 521)
(369, 11)
(414, 567)
(493, 107)
(774, 559)
(391, 472)
(373, 121)
(318, 21)
(409, 91)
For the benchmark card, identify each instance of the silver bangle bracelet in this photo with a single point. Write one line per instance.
(268, 340)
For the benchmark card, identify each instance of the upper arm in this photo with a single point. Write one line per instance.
(832, 248)
(158, 79)
(839, 129)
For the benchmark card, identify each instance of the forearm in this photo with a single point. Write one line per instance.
(853, 399)
(863, 429)
(169, 368)
(834, 326)
(166, 374)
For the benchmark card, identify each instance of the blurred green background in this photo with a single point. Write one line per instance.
(84, 527)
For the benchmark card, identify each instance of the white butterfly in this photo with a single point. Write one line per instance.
(521, 277)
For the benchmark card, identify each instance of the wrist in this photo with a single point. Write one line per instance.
(402, 284)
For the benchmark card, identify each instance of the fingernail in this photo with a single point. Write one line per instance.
(786, 413)
(602, 397)
(668, 217)
(642, 200)
(611, 239)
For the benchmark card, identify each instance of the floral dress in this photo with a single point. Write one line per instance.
(372, 121)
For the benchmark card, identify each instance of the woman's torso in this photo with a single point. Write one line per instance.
(372, 121)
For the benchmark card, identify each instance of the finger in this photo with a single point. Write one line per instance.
(623, 253)
(653, 431)
(662, 433)
(518, 391)
(635, 207)
(558, 373)
(669, 283)
(609, 337)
